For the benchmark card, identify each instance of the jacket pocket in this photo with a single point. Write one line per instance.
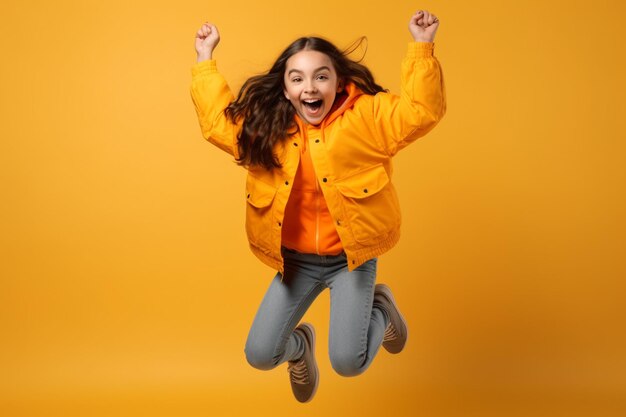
(259, 218)
(370, 202)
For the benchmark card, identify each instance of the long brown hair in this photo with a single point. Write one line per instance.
(268, 118)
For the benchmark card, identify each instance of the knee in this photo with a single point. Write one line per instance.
(347, 364)
(259, 357)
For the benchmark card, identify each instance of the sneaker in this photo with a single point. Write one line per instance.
(303, 372)
(396, 332)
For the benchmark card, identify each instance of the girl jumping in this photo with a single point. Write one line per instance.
(317, 136)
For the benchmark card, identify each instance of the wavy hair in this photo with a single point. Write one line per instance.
(268, 118)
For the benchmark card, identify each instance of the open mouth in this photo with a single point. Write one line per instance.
(312, 105)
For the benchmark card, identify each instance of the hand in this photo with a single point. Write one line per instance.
(207, 39)
(423, 26)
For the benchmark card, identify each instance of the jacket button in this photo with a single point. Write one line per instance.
(248, 196)
(338, 223)
(286, 182)
(295, 144)
(365, 190)
(280, 224)
(317, 141)
(325, 179)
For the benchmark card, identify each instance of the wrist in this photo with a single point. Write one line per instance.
(204, 56)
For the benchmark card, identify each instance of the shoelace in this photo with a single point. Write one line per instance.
(299, 372)
(390, 333)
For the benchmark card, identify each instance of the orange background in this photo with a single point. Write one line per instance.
(127, 288)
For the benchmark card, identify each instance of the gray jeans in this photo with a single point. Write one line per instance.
(356, 327)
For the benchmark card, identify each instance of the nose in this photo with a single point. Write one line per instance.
(310, 87)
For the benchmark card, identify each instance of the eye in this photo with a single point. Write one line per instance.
(296, 79)
(322, 77)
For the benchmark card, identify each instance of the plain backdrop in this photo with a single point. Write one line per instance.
(127, 287)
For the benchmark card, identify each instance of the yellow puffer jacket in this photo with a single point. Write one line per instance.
(351, 152)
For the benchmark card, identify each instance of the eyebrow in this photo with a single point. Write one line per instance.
(317, 70)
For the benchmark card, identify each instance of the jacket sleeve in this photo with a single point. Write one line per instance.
(211, 95)
(399, 120)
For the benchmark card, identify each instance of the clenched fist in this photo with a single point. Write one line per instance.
(423, 26)
(207, 39)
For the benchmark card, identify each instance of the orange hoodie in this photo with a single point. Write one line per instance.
(308, 226)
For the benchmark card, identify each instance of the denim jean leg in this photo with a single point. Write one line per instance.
(356, 330)
(271, 340)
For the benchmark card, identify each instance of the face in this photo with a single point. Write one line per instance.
(311, 85)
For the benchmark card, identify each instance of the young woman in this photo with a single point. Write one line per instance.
(317, 136)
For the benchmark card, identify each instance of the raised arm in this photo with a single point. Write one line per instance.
(399, 120)
(211, 95)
